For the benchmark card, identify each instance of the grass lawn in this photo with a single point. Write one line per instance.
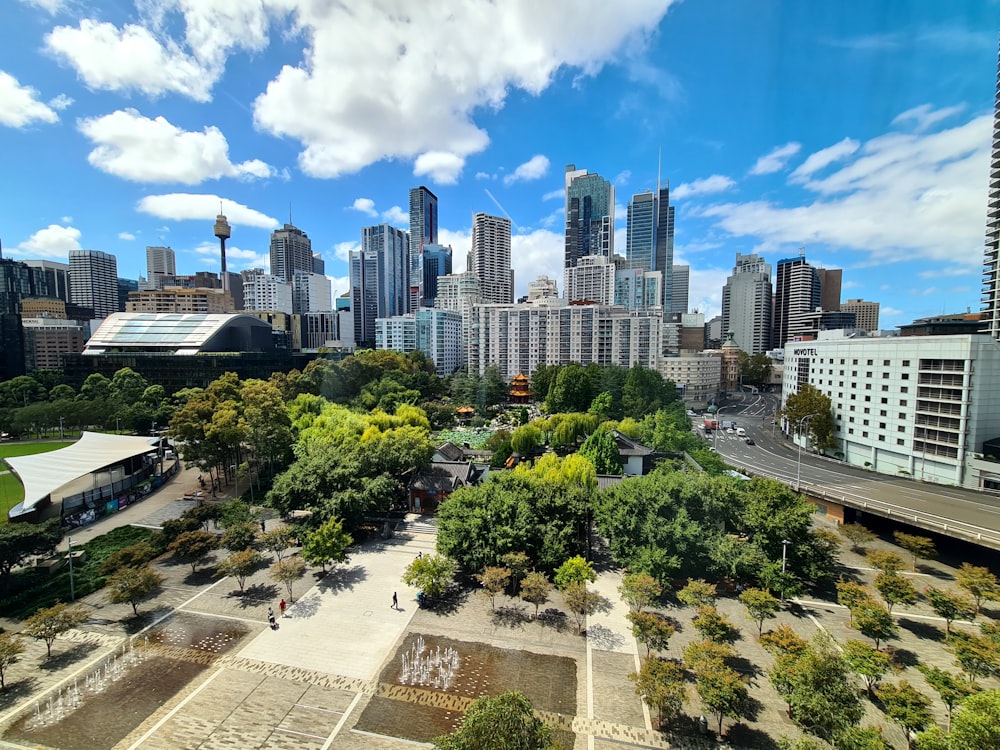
(11, 491)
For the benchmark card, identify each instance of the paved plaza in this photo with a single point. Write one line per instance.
(318, 680)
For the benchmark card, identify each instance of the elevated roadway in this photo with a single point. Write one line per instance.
(953, 511)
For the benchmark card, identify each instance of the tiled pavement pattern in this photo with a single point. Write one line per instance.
(305, 685)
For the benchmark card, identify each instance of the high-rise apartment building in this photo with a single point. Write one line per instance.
(796, 290)
(291, 251)
(364, 296)
(746, 304)
(680, 282)
(311, 292)
(56, 277)
(865, 313)
(176, 299)
(590, 216)
(542, 288)
(93, 281)
(489, 259)
(991, 260)
(638, 289)
(435, 332)
(649, 236)
(592, 280)
(423, 232)
(436, 262)
(160, 262)
(266, 292)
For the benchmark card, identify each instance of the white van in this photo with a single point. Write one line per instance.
(740, 432)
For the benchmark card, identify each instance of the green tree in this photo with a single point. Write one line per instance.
(651, 629)
(645, 392)
(327, 544)
(760, 605)
(287, 572)
(535, 589)
(50, 622)
(580, 601)
(867, 661)
(874, 621)
(192, 547)
(236, 513)
(977, 722)
(857, 535)
(132, 585)
(570, 391)
(979, 582)
(525, 439)
(519, 564)
(601, 406)
(919, 547)
(11, 648)
(431, 574)
(977, 655)
(852, 595)
(660, 683)
(711, 623)
(784, 641)
(501, 722)
(702, 655)
(19, 541)
(949, 607)
(494, 581)
(277, 541)
(812, 409)
(862, 738)
(602, 451)
(723, 692)
(639, 590)
(239, 536)
(895, 589)
(575, 570)
(950, 687)
(697, 593)
(240, 565)
(906, 706)
(885, 560)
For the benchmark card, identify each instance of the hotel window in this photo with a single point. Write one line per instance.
(881, 426)
(906, 376)
(906, 363)
(885, 401)
(900, 441)
(885, 363)
(885, 375)
(904, 389)
(850, 431)
(864, 434)
(902, 415)
(870, 362)
(900, 429)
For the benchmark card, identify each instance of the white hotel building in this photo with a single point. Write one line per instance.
(917, 406)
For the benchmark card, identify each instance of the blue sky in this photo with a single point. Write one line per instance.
(859, 130)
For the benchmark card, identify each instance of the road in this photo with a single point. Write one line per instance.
(963, 513)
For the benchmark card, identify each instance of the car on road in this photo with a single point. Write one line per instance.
(730, 431)
(749, 441)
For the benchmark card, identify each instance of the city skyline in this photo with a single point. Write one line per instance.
(861, 134)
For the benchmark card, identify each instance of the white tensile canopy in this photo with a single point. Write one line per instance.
(44, 473)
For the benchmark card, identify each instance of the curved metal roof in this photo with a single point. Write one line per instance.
(177, 332)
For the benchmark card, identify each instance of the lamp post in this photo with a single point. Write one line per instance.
(798, 464)
(118, 425)
(72, 590)
(784, 563)
(61, 434)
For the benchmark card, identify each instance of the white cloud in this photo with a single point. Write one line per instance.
(924, 116)
(775, 160)
(365, 206)
(339, 285)
(622, 178)
(127, 236)
(535, 168)
(396, 215)
(534, 253)
(343, 250)
(66, 220)
(19, 105)
(54, 241)
(237, 259)
(384, 80)
(442, 167)
(51, 6)
(485, 176)
(717, 183)
(823, 158)
(904, 197)
(137, 148)
(553, 195)
(204, 207)
(61, 102)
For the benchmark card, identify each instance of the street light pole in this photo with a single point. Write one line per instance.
(72, 590)
(784, 562)
(118, 425)
(798, 464)
(61, 434)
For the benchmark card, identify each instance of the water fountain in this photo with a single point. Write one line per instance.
(436, 669)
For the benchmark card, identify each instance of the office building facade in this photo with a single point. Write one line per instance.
(489, 259)
(48, 340)
(311, 292)
(265, 292)
(680, 282)
(796, 290)
(650, 240)
(56, 277)
(865, 313)
(93, 281)
(291, 251)
(746, 304)
(174, 299)
(423, 232)
(590, 216)
(435, 262)
(160, 261)
(435, 332)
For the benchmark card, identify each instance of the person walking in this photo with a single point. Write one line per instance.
(395, 601)
(281, 606)
(270, 618)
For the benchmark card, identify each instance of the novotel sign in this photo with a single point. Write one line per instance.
(805, 352)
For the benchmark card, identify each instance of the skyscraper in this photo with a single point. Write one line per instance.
(310, 293)
(436, 262)
(796, 290)
(423, 231)
(93, 281)
(991, 261)
(364, 296)
(291, 251)
(865, 313)
(590, 216)
(223, 231)
(380, 279)
(56, 277)
(490, 258)
(746, 304)
(17, 281)
(680, 280)
(160, 260)
(650, 238)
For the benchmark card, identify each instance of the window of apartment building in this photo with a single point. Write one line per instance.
(902, 415)
(853, 397)
(881, 425)
(852, 408)
(881, 438)
(885, 388)
(868, 386)
(904, 389)
(900, 441)
(881, 412)
(850, 431)
(851, 420)
(864, 422)
(867, 410)
(885, 376)
(868, 399)
(854, 361)
(864, 434)
(885, 363)
(840, 384)
(870, 362)
(885, 400)
(906, 376)
(854, 373)
(841, 361)
(900, 429)
(906, 363)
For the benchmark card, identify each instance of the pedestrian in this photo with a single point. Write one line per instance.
(395, 601)
(270, 618)
(281, 606)
(420, 555)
